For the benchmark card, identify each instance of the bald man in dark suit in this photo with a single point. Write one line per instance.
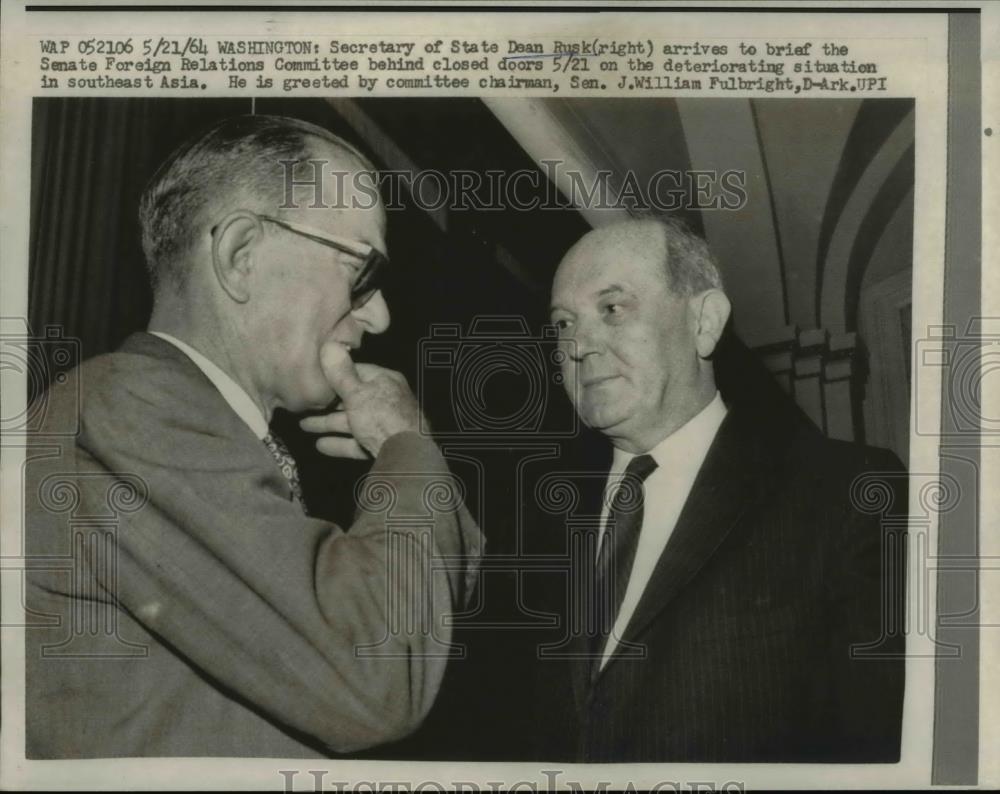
(739, 602)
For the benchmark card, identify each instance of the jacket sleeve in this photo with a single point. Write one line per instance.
(340, 635)
(866, 592)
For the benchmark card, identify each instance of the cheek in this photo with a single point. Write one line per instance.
(318, 315)
(635, 348)
(298, 337)
(667, 337)
(276, 327)
(282, 309)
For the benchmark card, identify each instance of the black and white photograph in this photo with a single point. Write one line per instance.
(564, 430)
(762, 583)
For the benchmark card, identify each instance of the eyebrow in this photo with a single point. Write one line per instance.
(609, 290)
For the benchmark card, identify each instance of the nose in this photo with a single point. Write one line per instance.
(374, 315)
(582, 342)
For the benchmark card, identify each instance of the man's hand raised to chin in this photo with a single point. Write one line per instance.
(376, 403)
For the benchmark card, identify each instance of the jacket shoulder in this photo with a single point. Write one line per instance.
(851, 458)
(830, 475)
(149, 377)
(141, 396)
(851, 479)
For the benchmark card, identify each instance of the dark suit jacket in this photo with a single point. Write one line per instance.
(184, 605)
(771, 627)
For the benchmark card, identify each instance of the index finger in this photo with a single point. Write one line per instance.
(336, 422)
(338, 368)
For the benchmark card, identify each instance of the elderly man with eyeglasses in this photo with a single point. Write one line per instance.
(229, 621)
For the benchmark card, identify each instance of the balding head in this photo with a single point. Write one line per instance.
(685, 259)
(240, 162)
(640, 310)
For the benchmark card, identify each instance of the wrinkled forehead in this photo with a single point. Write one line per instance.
(626, 254)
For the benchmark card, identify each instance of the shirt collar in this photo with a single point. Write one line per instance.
(687, 445)
(230, 390)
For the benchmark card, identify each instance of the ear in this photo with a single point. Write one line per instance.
(711, 313)
(233, 241)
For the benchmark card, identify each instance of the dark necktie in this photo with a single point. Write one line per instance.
(287, 465)
(617, 552)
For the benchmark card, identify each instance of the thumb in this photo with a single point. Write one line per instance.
(338, 368)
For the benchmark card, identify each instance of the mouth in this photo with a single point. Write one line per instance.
(347, 345)
(597, 380)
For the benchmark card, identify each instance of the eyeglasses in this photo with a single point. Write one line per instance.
(374, 263)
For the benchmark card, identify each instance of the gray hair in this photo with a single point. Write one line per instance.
(691, 266)
(242, 154)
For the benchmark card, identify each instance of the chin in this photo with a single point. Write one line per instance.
(603, 417)
(311, 397)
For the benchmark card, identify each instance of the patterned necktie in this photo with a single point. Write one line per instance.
(617, 552)
(287, 465)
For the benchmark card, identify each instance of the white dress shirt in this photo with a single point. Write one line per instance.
(230, 390)
(678, 458)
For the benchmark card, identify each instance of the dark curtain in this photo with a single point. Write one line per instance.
(90, 159)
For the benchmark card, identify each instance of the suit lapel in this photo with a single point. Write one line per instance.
(732, 479)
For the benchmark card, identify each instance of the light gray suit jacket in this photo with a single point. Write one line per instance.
(182, 605)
